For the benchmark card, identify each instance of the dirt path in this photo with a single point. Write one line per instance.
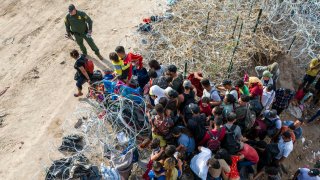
(36, 65)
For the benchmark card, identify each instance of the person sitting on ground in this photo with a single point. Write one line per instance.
(232, 161)
(121, 69)
(196, 125)
(311, 73)
(216, 167)
(185, 141)
(210, 91)
(177, 78)
(267, 97)
(160, 69)
(172, 173)
(82, 76)
(229, 105)
(285, 146)
(160, 125)
(130, 58)
(157, 172)
(282, 99)
(267, 79)
(229, 89)
(241, 87)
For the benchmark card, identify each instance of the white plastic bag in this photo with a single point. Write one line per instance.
(199, 163)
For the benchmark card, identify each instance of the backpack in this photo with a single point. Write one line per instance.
(162, 127)
(89, 66)
(250, 118)
(214, 143)
(229, 141)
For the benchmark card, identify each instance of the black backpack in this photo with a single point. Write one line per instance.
(230, 143)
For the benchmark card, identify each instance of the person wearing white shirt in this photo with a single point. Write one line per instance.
(285, 146)
(267, 97)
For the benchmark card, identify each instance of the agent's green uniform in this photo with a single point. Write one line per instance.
(78, 26)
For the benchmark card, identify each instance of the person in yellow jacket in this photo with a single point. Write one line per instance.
(311, 72)
(120, 69)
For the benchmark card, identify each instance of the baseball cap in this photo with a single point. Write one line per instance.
(267, 73)
(71, 7)
(187, 83)
(314, 172)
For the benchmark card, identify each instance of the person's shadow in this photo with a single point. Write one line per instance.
(104, 64)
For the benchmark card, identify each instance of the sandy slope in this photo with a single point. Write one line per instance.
(41, 89)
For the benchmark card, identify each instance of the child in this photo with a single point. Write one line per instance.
(155, 155)
(121, 69)
(157, 171)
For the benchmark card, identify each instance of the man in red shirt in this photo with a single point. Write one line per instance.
(249, 157)
(129, 58)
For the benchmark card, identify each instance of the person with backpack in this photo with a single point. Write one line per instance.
(216, 135)
(228, 105)
(273, 123)
(79, 24)
(245, 116)
(231, 141)
(209, 90)
(84, 69)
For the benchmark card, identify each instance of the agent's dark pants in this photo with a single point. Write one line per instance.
(79, 39)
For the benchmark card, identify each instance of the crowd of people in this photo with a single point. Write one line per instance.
(211, 130)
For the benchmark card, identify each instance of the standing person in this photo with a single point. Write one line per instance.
(267, 97)
(79, 24)
(241, 87)
(267, 78)
(129, 58)
(185, 141)
(273, 68)
(155, 65)
(227, 86)
(82, 76)
(177, 78)
(121, 69)
(311, 73)
(209, 90)
(283, 99)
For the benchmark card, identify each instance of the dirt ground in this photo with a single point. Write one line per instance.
(36, 66)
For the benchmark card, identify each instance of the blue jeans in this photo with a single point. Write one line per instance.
(246, 163)
(314, 116)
